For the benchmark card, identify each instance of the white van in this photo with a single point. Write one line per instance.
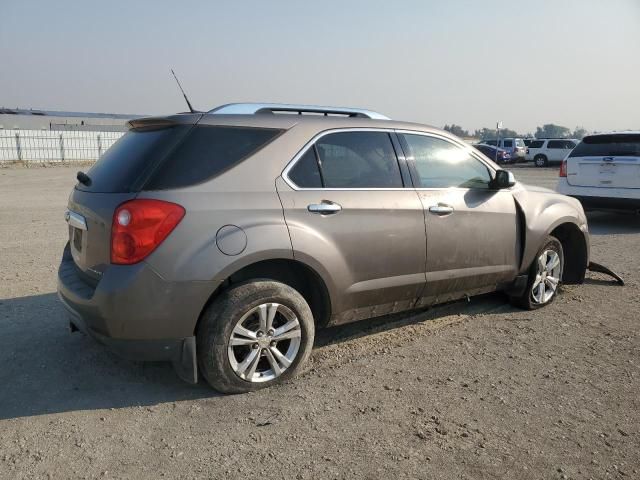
(603, 171)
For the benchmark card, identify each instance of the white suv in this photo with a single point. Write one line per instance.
(603, 171)
(545, 151)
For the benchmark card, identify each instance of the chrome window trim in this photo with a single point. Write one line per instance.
(318, 136)
(254, 108)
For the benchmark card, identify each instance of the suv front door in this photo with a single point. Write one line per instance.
(353, 215)
(472, 237)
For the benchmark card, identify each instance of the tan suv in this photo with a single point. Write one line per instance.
(221, 241)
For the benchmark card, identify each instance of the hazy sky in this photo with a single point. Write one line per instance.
(466, 62)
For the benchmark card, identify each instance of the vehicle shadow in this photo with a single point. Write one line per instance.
(46, 369)
(613, 223)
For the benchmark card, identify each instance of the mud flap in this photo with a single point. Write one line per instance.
(596, 267)
(186, 363)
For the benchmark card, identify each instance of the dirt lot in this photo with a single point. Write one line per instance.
(478, 390)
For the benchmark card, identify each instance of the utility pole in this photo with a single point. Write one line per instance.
(498, 127)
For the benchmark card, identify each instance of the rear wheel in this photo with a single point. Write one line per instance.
(545, 276)
(541, 161)
(254, 335)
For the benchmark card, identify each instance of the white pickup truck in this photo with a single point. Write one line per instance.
(603, 172)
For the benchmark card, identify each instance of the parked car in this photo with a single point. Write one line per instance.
(545, 151)
(603, 171)
(515, 146)
(222, 240)
(496, 154)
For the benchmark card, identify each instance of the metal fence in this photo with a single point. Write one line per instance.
(53, 146)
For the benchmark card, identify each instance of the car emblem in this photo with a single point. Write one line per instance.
(607, 159)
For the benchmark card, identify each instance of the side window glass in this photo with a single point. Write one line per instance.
(441, 164)
(556, 144)
(306, 173)
(358, 160)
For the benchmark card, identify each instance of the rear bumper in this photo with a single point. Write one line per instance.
(134, 312)
(602, 197)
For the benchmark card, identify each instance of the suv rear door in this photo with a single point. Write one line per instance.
(606, 161)
(352, 213)
(471, 229)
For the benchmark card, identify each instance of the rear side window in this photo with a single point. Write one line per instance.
(126, 162)
(306, 172)
(536, 144)
(615, 145)
(207, 152)
(508, 143)
(358, 160)
(556, 144)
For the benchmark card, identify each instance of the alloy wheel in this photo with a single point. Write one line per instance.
(264, 342)
(548, 274)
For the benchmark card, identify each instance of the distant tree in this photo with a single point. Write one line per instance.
(552, 131)
(579, 132)
(490, 133)
(456, 130)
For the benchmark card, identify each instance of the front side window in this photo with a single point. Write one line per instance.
(358, 160)
(442, 164)
(508, 143)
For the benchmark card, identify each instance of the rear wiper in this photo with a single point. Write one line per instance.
(84, 179)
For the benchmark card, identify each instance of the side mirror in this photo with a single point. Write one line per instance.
(503, 179)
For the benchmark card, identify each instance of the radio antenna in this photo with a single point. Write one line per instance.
(183, 94)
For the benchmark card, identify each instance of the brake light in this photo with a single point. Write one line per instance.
(563, 169)
(140, 226)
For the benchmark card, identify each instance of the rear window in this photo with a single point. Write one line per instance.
(620, 145)
(206, 153)
(536, 144)
(121, 167)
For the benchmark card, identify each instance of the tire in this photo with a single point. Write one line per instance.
(533, 298)
(541, 161)
(249, 305)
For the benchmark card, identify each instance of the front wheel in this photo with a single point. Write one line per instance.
(545, 276)
(254, 335)
(541, 161)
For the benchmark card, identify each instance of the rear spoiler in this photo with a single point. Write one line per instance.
(157, 123)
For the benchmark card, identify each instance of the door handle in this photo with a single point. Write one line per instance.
(441, 209)
(324, 208)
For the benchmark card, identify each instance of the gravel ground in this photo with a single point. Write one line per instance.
(468, 390)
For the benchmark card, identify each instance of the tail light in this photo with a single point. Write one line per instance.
(563, 169)
(140, 226)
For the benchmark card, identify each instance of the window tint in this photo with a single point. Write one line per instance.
(508, 143)
(616, 145)
(207, 152)
(122, 165)
(536, 144)
(306, 173)
(555, 144)
(441, 164)
(491, 142)
(358, 160)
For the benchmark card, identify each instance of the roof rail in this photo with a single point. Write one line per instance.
(255, 108)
